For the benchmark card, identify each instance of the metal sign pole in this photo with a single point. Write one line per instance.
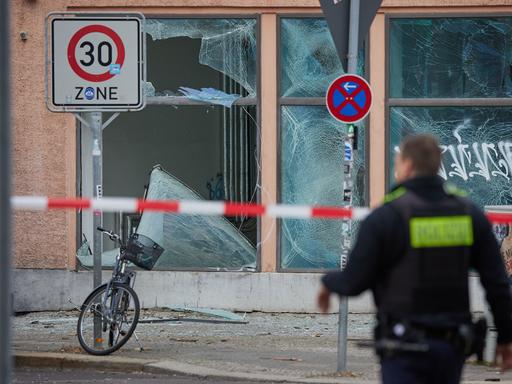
(353, 46)
(85, 80)
(94, 120)
(5, 192)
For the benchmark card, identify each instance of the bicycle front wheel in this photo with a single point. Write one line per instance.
(114, 313)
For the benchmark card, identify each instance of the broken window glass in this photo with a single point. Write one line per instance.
(189, 241)
(312, 153)
(193, 241)
(211, 148)
(476, 144)
(451, 57)
(312, 146)
(309, 61)
(202, 53)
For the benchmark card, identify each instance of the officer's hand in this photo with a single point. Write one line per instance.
(504, 353)
(324, 299)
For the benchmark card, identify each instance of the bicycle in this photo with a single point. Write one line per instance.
(109, 315)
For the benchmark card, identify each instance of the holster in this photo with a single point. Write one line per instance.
(471, 338)
(388, 342)
(468, 338)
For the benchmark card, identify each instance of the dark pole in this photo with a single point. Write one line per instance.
(5, 196)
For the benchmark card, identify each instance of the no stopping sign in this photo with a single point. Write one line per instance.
(96, 63)
(349, 98)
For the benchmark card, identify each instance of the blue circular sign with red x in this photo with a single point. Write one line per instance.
(349, 98)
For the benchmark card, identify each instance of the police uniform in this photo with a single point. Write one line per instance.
(414, 252)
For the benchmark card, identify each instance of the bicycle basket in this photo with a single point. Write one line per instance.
(142, 251)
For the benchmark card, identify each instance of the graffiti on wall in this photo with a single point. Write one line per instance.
(469, 160)
(485, 160)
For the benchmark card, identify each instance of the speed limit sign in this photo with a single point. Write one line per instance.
(97, 62)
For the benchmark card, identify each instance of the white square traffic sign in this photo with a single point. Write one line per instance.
(97, 63)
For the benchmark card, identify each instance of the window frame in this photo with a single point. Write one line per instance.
(181, 101)
(285, 101)
(391, 102)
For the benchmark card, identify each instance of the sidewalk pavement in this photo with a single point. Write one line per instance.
(296, 348)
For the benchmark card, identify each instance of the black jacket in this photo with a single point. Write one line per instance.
(380, 242)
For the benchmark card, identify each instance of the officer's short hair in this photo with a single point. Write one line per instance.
(424, 152)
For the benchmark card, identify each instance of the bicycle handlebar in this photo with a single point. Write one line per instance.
(113, 236)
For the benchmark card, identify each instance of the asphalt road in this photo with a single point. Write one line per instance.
(47, 376)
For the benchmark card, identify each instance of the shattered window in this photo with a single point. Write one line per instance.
(312, 146)
(476, 143)
(312, 174)
(226, 47)
(197, 139)
(451, 57)
(458, 59)
(192, 241)
(309, 61)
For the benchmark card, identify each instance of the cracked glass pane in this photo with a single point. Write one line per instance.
(476, 143)
(213, 150)
(312, 153)
(213, 147)
(451, 57)
(193, 241)
(309, 61)
(202, 53)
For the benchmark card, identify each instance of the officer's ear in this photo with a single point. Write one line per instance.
(404, 168)
(408, 165)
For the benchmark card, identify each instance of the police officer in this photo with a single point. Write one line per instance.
(414, 252)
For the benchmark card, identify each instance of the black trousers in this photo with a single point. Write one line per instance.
(442, 364)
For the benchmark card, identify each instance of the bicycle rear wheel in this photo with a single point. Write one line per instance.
(116, 320)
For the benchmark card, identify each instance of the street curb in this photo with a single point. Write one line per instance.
(73, 361)
(116, 363)
(169, 367)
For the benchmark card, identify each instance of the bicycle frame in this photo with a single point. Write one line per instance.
(119, 275)
(113, 322)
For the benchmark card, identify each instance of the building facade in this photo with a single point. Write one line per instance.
(440, 66)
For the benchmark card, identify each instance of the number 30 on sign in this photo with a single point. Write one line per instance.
(96, 62)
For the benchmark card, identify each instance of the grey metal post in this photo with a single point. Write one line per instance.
(353, 47)
(94, 120)
(5, 193)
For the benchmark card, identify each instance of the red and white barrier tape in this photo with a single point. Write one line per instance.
(209, 208)
(189, 207)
